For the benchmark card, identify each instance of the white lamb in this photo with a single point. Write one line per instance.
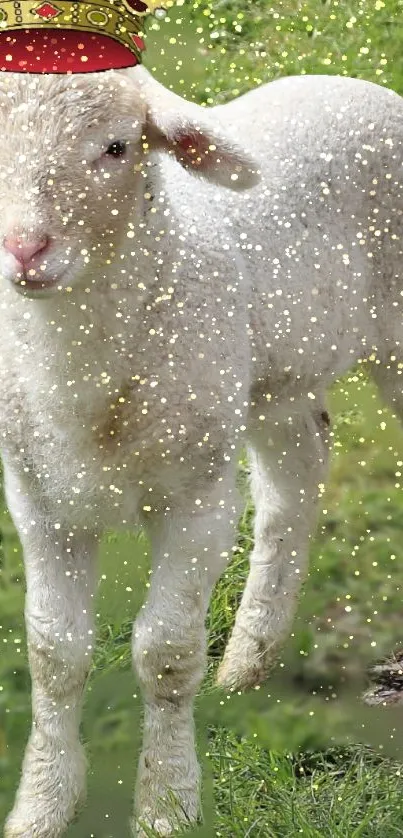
(151, 323)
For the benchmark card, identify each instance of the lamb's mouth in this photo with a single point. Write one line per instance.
(38, 286)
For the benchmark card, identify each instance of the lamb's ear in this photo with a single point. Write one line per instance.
(187, 131)
(200, 148)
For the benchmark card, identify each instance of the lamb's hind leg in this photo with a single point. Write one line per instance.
(288, 462)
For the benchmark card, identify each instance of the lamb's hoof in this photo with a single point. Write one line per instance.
(161, 826)
(16, 828)
(149, 825)
(246, 664)
(30, 820)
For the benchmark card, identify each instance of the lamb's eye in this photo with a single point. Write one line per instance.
(116, 149)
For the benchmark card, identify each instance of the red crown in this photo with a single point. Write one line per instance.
(59, 36)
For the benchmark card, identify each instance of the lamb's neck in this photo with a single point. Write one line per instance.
(100, 329)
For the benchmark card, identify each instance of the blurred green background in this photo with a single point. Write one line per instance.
(282, 759)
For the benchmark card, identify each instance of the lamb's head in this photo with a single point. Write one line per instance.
(72, 162)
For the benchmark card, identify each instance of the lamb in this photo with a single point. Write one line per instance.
(178, 282)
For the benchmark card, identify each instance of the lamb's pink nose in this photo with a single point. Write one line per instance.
(24, 250)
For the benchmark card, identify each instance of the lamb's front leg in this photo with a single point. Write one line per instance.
(190, 550)
(59, 575)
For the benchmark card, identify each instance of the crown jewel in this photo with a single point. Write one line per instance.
(64, 36)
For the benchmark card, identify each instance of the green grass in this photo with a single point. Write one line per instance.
(285, 759)
(245, 44)
(274, 795)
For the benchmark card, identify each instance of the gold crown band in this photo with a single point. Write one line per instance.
(117, 19)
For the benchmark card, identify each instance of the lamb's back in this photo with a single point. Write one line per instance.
(329, 149)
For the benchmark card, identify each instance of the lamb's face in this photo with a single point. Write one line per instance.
(72, 165)
(70, 162)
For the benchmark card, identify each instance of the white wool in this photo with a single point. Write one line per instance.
(204, 313)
